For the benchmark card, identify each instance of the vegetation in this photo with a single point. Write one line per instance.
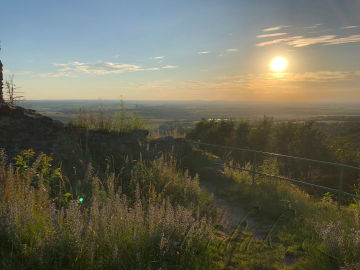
(291, 228)
(315, 232)
(12, 91)
(289, 138)
(95, 207)
(120, 122)
(156, 223)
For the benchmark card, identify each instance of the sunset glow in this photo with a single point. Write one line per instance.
(278, 64)
(144, 50)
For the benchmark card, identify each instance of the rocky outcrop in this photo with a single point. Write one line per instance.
(23, 128)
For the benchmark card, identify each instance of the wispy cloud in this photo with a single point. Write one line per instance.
(153, 69)
(100, 68)
(276, 41)
(323, 76)
(314, 26)
(303, 42)
(17, 73)
(350, 27)
(271, 35)
(275, 28)
(203, 52)
(158, 57)
(57, 74)
(232, 50)
(265, 86)
(300, 41)
(349, 39)
(169, 67)
(284, 84)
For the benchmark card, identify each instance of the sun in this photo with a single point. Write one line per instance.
(278, 64)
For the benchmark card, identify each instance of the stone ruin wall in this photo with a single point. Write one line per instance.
(1, 83)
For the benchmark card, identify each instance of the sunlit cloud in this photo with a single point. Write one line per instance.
(350, 27)
(349, 39)
(153, 69)
(265, 86)
(303, 42)
(203, 52)
(57, 75)
(271, 35)
(158, 57)
(101, 68)
(275, 28)
(169, 67)
(276, 87)
(322, 76)
(318, 76)
(300, 41)
(276, 41)
(232, 50)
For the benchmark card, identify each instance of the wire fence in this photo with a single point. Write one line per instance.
(339, 191)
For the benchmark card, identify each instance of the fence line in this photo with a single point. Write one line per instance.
(339, 191)
(275, 154)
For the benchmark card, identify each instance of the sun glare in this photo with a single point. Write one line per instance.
(278, 64)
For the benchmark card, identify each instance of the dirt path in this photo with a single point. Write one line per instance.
(232, 212)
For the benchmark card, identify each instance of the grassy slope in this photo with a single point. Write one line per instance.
(163, 220)
(146, 214)
(297, 231)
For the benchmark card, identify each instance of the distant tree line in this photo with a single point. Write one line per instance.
(302, 139)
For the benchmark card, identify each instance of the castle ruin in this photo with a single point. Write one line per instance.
(1, 83)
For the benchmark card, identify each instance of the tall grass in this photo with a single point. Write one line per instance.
(121, 121)
(319, 234)
(154, 226)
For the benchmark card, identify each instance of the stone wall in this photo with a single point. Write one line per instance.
(1, 83)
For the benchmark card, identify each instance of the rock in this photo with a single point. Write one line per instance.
(21, 129)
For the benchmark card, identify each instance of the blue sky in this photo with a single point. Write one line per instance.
(208, 50)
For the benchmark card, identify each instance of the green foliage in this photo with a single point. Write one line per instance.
(214, 131)
(37, 170)
(158, 219)
(292, 228)
(330, 234)
(297, 139)
(120, 122)
(130, 210)
(289, 138)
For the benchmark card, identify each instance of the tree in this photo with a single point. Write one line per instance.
(261, 134)
(11, 91)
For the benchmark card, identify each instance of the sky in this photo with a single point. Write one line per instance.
(182, 50)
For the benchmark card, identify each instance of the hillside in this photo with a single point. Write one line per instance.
(98, 199)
